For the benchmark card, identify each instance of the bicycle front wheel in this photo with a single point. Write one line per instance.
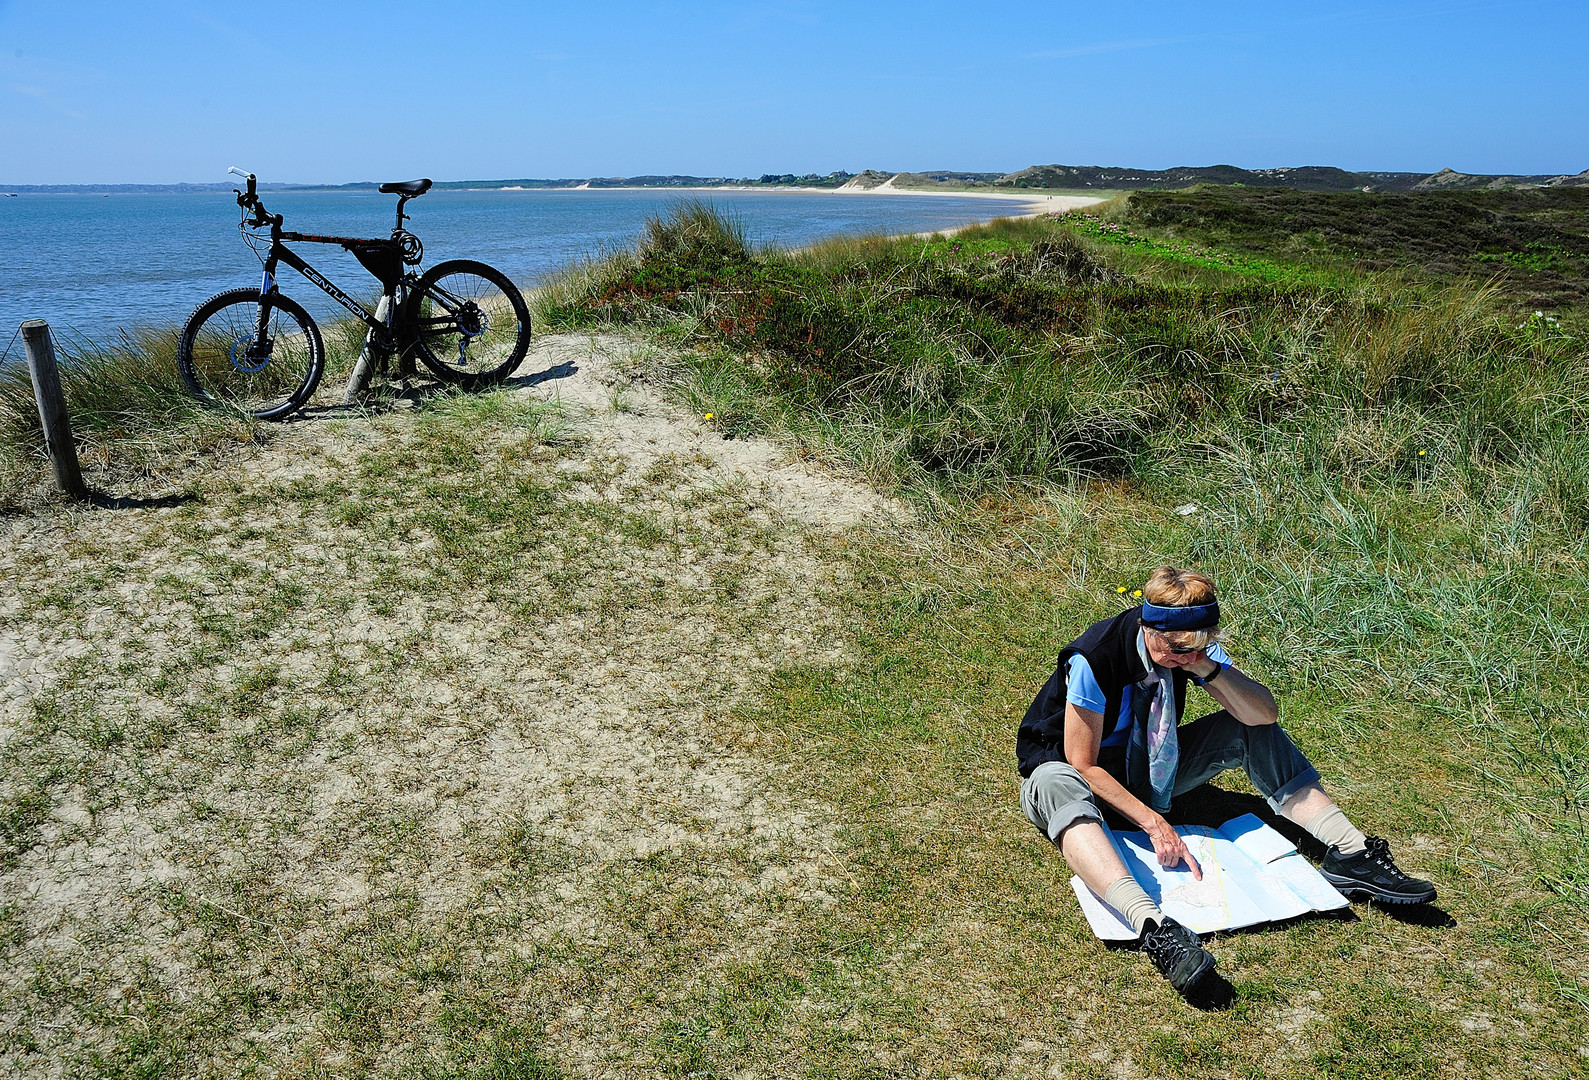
(471, 325)
(257, 355)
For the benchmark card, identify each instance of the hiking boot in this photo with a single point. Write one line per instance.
(1178, 954)
(1372, 873)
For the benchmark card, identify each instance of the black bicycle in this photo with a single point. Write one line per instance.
(259, 352)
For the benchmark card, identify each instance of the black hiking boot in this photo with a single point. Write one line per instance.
(1372, 873)
(1178, 954)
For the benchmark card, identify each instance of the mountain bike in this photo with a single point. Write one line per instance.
(259, 352)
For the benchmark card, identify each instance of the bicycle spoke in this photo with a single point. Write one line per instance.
(468, 327)
(231, 365)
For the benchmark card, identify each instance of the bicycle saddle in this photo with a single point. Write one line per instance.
(406, 187)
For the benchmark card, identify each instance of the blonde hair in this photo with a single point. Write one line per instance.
(1170, 586)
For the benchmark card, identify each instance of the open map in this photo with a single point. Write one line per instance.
(1251, 875)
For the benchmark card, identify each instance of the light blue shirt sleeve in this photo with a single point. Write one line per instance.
(1081, 686)
(1082, 689)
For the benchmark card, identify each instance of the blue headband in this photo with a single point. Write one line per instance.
(1191, 617)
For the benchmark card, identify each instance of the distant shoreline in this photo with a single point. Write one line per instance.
(1035, 200)
(1033, 203)
(1068, 179)
(1103, 180)
(1027, 202)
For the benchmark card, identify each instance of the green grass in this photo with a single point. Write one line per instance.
(128, 407)
(133, 418)
(1038, 352)
(1391, 478)
(1535, 240)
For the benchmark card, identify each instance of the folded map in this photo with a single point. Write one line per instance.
(1251, 875)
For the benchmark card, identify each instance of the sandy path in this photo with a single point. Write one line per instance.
(364, 757)
(606, 384)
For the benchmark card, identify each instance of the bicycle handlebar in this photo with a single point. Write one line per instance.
(249, 200)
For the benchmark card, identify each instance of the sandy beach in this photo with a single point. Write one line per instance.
(1023, 203)
(1032, 202)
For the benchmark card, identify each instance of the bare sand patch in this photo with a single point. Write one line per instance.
(357, 695)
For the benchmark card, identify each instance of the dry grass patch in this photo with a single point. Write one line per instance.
(402, 748)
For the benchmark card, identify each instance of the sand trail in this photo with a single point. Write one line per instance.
(278, 709)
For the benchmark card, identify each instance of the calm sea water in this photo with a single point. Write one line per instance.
(90, 264)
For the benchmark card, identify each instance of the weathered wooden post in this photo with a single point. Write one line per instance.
(52, 407)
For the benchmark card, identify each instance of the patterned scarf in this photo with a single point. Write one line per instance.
(1164, 749)
(1156, 714)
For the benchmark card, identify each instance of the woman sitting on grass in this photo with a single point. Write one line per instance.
(1106, 726)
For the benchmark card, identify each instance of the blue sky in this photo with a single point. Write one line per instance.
(173, 90)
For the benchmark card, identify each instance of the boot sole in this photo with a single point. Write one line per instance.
(1350, 887)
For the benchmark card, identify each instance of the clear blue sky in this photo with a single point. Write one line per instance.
(159, 91)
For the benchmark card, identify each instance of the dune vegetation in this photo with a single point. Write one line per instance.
(470, 747)
(1389, 465)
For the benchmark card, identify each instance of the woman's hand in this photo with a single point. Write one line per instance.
(1170, 847)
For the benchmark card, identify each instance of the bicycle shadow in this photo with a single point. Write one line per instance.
(409, 393)
(565, 370)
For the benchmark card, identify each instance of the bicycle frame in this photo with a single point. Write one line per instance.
(383, 258)
(280, 253)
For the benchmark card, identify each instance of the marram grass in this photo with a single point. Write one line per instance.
(1388, 481)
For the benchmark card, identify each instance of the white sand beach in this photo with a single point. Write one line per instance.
(1032, 202)
(1023, 203)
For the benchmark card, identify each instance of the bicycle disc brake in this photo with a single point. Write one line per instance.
(240, 360)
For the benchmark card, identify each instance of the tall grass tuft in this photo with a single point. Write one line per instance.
(1027, 351)
(127, 403)
(694, 233)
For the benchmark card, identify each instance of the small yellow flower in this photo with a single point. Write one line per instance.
(1137, 594)
(708, 416)
(1121, 589)
(1421, 453)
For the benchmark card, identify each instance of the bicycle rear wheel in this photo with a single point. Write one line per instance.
(471, 325)
(228, 366)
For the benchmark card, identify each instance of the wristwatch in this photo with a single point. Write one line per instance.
(1204, 680)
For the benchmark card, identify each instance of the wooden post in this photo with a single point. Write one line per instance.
(52, 407)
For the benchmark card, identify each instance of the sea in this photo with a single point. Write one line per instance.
(92, 264)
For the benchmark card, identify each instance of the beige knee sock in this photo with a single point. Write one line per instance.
(1332, 829)
(1127, 897)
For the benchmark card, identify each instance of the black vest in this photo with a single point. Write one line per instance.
(1110, 647)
